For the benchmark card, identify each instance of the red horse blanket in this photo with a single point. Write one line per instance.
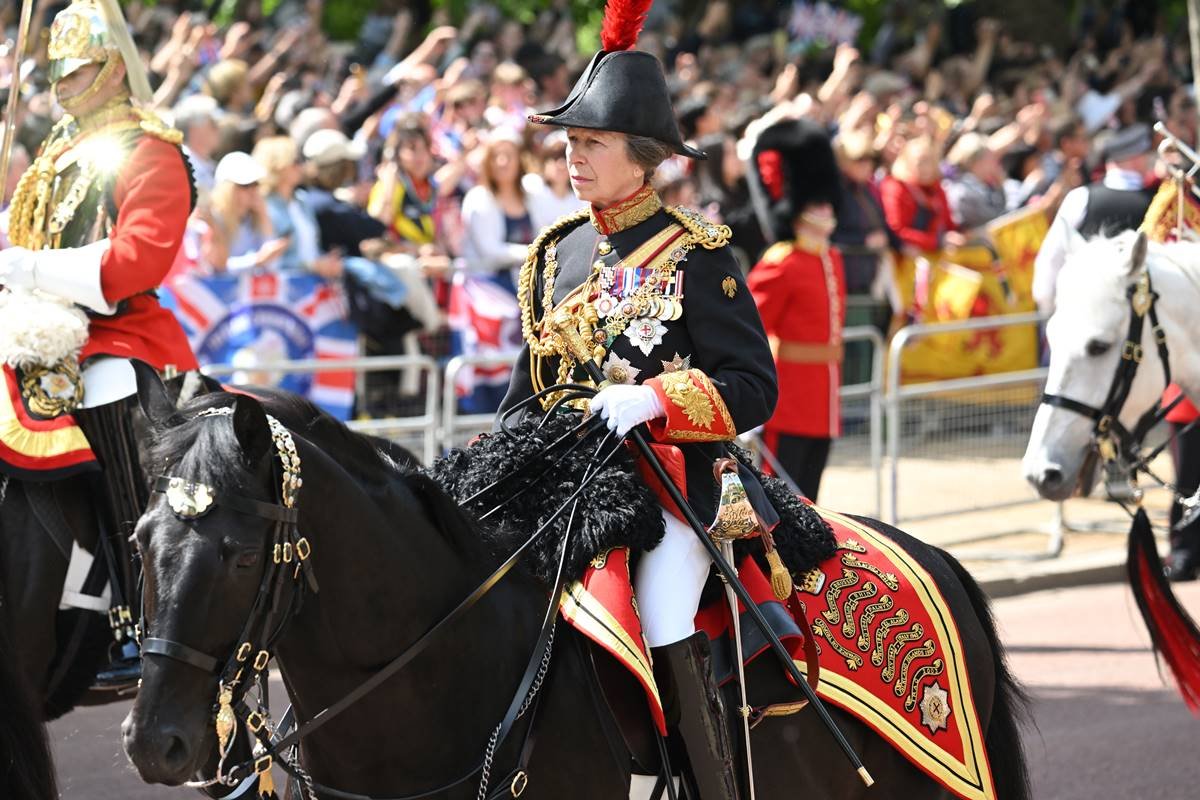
(33, 446)
(888, 649)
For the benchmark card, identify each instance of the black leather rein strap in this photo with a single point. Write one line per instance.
(152, 646)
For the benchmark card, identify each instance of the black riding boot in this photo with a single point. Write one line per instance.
(121, 494)
(693, 703)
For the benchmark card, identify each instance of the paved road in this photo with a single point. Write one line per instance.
(1105, 725)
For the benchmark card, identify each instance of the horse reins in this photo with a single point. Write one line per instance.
(191, 500)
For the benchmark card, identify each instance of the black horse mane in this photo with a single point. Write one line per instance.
(201, 452)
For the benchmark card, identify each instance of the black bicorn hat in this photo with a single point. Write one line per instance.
(622, 90)
(792, 166)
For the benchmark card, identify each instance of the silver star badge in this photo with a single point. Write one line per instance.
(646, 333)
(935, 708)
(678, 364)
(619, 370)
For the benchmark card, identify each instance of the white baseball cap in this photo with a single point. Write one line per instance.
(328, 146)
(238, 167)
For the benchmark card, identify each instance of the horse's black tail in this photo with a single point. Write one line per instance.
(26, 771)
(1010, 704)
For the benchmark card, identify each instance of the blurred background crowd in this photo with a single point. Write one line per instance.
(384, 147)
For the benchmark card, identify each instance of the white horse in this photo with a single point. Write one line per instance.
(1109, 295)
(1087, 335)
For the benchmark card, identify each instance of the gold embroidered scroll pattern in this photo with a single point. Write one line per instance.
(885, 603)
(853, 599)
(899, 618)
(924, 651)
(889, 579)
(932, 670)
(893, 652)
(833, 611)
(853, 660)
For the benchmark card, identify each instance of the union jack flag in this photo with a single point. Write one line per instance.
(250, 320)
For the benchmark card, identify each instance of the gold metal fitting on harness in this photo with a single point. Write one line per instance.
(243, 651)
(303, 549)
(255, 721)
(519, 782)
(1132, 352)
(261, 660)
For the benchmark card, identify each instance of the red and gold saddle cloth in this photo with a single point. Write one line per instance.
(888, 649)
(39, 441)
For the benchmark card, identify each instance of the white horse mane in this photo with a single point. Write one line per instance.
(1110, 256)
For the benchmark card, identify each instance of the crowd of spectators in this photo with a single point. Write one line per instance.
(402, 162)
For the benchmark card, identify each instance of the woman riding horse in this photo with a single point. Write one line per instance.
(694, 363)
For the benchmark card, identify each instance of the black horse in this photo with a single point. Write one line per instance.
(392, 554)
(26, 772)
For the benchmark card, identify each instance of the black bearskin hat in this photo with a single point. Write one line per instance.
(792, 167)
(622, 90)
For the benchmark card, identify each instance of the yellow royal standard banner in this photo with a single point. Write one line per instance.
(977, 281)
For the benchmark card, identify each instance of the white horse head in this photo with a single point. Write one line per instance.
(1086, 337)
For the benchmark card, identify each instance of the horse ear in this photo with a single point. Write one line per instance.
(152, 394)
(251, 428)
(1139, 253)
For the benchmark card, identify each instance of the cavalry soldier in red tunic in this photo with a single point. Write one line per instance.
(800, 289)
(96, 221)
(658, 293)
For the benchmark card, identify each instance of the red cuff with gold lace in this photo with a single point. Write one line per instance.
(695, 410)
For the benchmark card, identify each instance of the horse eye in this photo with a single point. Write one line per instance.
(247, 558)
(1098, 348)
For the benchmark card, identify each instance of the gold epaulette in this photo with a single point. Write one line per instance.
(702, 230)
(778, 252)
(153, 124)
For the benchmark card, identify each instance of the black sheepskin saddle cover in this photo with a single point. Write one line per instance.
(616, 508)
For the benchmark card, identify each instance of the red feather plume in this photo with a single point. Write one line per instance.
(623, 21)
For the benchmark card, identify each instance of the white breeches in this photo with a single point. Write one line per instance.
(668, 584)
(106, 380)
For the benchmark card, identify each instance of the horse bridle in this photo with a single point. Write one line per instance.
(1112, 440)
(288, 553)
(190, 500)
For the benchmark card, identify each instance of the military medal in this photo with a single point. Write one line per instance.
(619, 370)
(605, 304)
(646, 333)
(678, 364)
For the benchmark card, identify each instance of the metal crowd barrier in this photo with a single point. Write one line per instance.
(861, 443)
(934, 428)
(418, 431)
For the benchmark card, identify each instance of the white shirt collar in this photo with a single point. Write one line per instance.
(1123, 179)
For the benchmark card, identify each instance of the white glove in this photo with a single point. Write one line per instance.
(17, 268)
(71, 273)
(624, 407)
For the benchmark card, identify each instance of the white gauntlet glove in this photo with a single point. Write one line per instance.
(72, 273)
(624, 407)
(16, 268)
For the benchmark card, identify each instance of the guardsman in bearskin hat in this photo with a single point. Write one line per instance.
(95, 222)
(659, 294)
(800, 289)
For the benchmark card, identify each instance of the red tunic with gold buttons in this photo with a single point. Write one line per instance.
(801, 297)
(152, 198)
